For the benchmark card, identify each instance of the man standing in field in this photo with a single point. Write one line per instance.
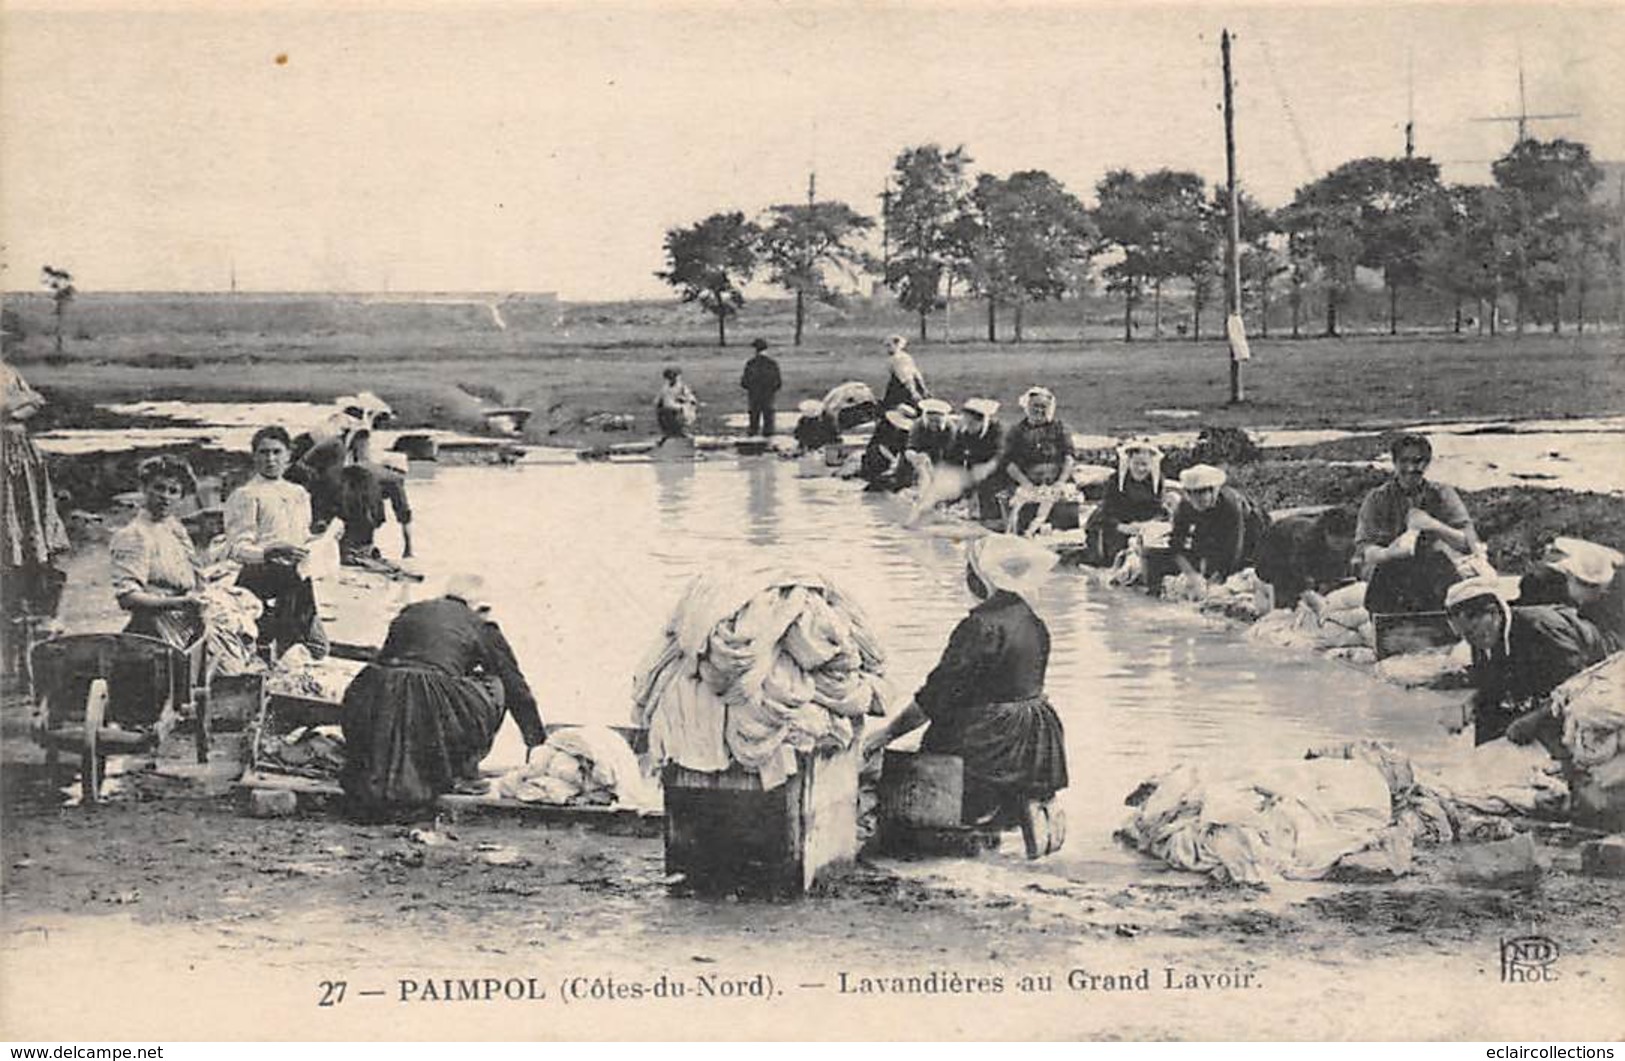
(761, 382)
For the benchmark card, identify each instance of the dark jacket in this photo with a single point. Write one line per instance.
(815, 432)
(967, 450)
(933, 443)
(985, 699)
(1039, 450)
(1225, 538)
(761, 379)
(1545, 646)
(1295, 557)
(448, 636)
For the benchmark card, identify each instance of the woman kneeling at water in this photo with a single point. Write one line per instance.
(418, 720)
(1134, 496)
(985, 699)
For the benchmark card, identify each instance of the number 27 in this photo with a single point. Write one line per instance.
(332, 992)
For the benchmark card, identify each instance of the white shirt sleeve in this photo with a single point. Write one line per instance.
(242, 527)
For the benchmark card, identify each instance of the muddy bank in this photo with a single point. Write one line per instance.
(1514, 522)
(180, 890)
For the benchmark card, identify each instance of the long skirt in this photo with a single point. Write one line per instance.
(410, 734)
(31, 530)
(1011, 751)
(290, 617)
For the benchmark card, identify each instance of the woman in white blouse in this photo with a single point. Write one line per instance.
(905, 385)
(267, 524)
(155, 572)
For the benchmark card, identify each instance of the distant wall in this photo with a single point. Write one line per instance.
(107, 314)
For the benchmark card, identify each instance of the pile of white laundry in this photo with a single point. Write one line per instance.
(752, 669)
(582, 765)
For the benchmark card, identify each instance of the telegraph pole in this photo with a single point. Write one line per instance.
(1233, 234)
(885, 224)
(806, 254)
(1619, 277)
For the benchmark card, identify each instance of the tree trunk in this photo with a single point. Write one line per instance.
(59, 326)
(1495, 314)
(1128, 315)
(722, 329)
(922, 324)
(948, 311)
(1331, 312)
(1264, 309)
(1019, 304)
(1480, 316)
(801, 314)
(1156, 308)
(1557, 312)
(1393, 309)
(1580, 307)
(1458, 314)
(992, 320)
(1196, 322)
(1518, 313)
(1297, 306)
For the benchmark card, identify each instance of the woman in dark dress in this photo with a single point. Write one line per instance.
(1519, 656)
(1134, 496)
(978, 449)
(1038, 461)
(1217, 529)
(883, 466)
(418, 720)
(985, 699)
(816, 428)
(905, 385)
(1585, 575)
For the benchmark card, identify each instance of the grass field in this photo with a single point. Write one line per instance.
(1105, 387)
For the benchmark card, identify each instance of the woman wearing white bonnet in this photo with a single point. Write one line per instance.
(977, 449)
(985, 699)
(1519, 656)
(906, 383)
(1039, 461)
(1587, 575)
(1216, 528)
(815, 428)
(1133, 497)
(883, 466)
(420, 717)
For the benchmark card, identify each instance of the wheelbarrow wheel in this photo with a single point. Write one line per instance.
(92, 763)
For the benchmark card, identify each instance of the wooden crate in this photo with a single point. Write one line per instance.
(724, 833)
(922, 799)
(235, 700)
(1398, 633)
(922, 789)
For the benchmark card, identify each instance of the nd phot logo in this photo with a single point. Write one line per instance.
(1528, 960)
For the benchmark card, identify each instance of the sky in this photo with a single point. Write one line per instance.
(548, 146)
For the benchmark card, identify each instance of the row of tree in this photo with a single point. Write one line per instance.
(1537, 235)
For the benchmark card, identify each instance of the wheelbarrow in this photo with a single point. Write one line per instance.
(115, 694)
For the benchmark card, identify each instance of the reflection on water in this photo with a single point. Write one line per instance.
(585, 562)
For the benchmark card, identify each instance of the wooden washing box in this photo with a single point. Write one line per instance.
(725, 834)
(922, 798)
(1398, 633)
